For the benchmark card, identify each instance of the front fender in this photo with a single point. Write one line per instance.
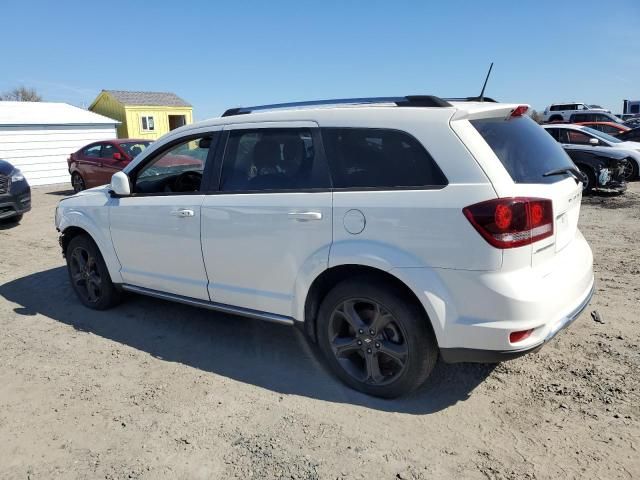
(93, 219)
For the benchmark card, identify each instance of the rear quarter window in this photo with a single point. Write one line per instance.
(525, 150)
(379, 158)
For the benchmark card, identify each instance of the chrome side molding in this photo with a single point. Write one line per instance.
(218, 307)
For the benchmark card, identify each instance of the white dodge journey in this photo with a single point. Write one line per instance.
(393, 231)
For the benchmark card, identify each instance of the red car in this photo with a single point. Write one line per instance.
(95, 163)
(607, 127)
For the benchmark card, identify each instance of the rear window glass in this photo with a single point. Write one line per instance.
(524, 148)
(379, 158)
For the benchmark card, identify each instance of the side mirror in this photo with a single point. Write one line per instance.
(117, 156)
(120, 184)
(594, 141)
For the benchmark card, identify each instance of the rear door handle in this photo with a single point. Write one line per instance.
(183, 212)
(305, 216)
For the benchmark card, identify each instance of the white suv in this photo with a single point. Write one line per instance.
(391, 230)
(561, 112)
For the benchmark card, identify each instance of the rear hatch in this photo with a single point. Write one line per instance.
(532, 163)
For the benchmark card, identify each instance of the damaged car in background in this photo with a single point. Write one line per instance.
(602, 170)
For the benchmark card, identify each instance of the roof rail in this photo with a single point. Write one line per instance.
(407, 101)
(471, 99)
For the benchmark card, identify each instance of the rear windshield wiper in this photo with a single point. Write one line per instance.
(574, 172)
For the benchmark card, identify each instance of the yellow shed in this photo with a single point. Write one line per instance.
(143, 114)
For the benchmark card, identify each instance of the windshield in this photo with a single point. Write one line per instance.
(134, 148)
(602, 135)
(524, 148)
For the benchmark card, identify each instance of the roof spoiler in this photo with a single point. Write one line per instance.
(491, 110)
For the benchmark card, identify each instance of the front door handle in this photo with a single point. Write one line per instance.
(183, 212)
(305, 216)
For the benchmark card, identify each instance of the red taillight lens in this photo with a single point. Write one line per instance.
(512, 222)
(519, 111)
(515, 337)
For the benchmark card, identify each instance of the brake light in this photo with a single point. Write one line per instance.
(519, 111)
(512, 222)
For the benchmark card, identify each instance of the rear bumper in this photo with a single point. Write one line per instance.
(458, 355)
(473, 313)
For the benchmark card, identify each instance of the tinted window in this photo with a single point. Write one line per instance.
(380, 158)
(272, 159)
(134, 148)
(177, 170)
(578, 138)
(107, 150)
(602, 135)
(607, 129)
(554, 132)
(524, 148)
(93, 151)
(582, 117)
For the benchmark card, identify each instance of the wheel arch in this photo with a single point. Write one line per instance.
(83, 226)
(325, 281)
(69, 234)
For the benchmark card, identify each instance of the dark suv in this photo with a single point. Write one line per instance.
(15, 193)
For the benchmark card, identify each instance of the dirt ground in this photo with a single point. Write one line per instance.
(156, 390)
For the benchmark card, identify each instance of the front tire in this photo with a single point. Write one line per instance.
(591, 180)
(630, 170)
(375, 339)
(77, 182)
(89, 275)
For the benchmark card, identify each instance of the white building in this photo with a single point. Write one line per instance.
(38, 137)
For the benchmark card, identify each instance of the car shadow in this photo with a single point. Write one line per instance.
(62, 193)
(271, 356)
(9, 223)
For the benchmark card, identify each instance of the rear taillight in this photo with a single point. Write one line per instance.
(512, 222)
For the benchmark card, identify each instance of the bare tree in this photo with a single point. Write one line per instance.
(536, 116)
(21, 94)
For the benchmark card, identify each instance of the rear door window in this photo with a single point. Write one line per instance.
(525, 150)
(379, 158)
(92, 151)
(272, 159)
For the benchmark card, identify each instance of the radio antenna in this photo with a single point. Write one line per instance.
(485, 83)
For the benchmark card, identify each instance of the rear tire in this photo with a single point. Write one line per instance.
(556, 118)
(78, 182)
(375, 339)
(89, 276)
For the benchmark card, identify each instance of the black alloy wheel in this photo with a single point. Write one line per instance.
(85, 276)
(89, 275)
(368, 341)
(375, 337)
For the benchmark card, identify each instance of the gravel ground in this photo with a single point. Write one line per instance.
(156, 390)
